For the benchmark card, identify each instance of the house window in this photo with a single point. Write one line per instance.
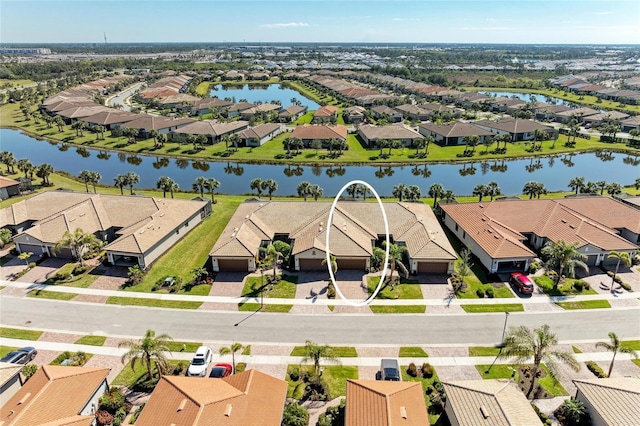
(464, 234)
(456, 226)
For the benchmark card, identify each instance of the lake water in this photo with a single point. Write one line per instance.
(527, 97)
(555, 173)
(265, 94)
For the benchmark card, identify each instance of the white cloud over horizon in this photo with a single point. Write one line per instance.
(286, 25)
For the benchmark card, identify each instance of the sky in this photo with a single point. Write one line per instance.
(370, 21)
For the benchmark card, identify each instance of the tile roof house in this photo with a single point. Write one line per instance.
(577, 113)
(145, 123)
(488, 402)
(111, 118)
(247, 398)
(518, 129)
(10, 380)
(262, 108)
(214, 130)
(597, 119)
(414, 112)
(8, 187)
(391, 114)
(260, 134)
(57, 395)
(452, 134)
(371, 135)
(612, 401)
(501, 232)
(137, 229)
(385, 403)
(326, 113)
(291, 113)
(205, 106)
(235, 109)
(355, 229)
(630, 123)
(323, 133)
(354, 114)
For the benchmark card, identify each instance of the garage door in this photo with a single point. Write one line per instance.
(591, 260)
(312, 265)
(433, 267)
(352, 264)
(233, 265)
(37, 250)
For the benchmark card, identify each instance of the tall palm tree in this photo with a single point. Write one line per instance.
(164, 183)
(615, 345)
(396, 255)
(25, 166)
(85, 176)
(211, 185)
(235, 347)
(9, 160)
(493, 189)
(332, 261)
(436, 190)
(317, 353)
(78, 242)
(614, 188)
(480, 190)
(43, 172)
(522, 343)
(400, 191)
(601, 185)
(154, 134)
(271, 186)
(271, 259)
(132, 179)
(564, 258)
(120, 182)
(256, 184)
(199, 184)
(316, 191)
(303, 189)
(623, 257)
(149, 350)
(95, 179)
(577, 183)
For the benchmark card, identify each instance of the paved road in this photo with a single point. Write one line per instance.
(292, 328)
(120, 97)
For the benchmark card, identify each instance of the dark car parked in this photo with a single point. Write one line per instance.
(389, 370)
(21, 356)
(523, 283)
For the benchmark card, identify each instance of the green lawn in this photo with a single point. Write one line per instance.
(71, 355)
(252, 307)
(91, 340)
(405, 309)
(128, 376)
(407, 289)
(506, 371)
(632, 344)
(156, 303)
(44, 294)
(15, 333)
(565, 288)
(505, 307)
(585, 304)
(6, 349)
(335, 376)
(576, 350)
(483, 351)
(552, 385)
(412, 351)
(285, 288)
(189, 346)
(338, 351)
(426, 383)
(636, 362)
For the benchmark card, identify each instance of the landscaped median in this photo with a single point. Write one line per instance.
(405, 289)
(155, 303)
(496, 307)
(282, 287)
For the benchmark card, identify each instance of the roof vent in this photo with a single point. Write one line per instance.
(141, 231)
(403, 412)
(572, 226)
(227, 410)
(183, 404)
(481, 206)
(161, 214)
(563, 221)
(484, 412)
(496, 237)
(24, 398)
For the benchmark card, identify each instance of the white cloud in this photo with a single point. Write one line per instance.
(487, 28)
(405, 19)
(602, 13)
(285, 25)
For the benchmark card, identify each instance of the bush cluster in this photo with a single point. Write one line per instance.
(412, 370)
(427, 370)
(480, 293)
(595, 369)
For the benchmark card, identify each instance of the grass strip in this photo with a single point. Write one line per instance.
(16, 333)
(585, 304)
(156, 303)
(91, 340)
(505, 307)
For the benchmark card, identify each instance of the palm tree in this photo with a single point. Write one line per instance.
(25, 255)
(564, 257)
(270, 185)
(257, 185)
(211, 185)
(199, 184)
(43, 172)
(316, 353)
(332, 261)
(480, 190)
(449, 196)
(303, 189)
(154, 134)
(493, 189)
(396, 254)
(85, 176)
(522, 343)
(623, 257)
(316, 191)
(614, 188)
(59, 122)
(413, 193)
(271, 259)
(576, 184)
(95, 179)
(132, 179)
(120, 182)
(78, 242)
(601, 185)
(164, 183)
(436, 190)
(400, 191)
(149, 350)
(99, 131)
(615, 346)
(235, 347)
(9, 160)
(25, 166)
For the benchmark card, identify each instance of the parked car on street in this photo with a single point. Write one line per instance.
(220, 370)
(523, 283)
(21, 356)
(200, 362)
(389, 370)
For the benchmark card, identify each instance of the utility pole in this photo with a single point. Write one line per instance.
(504, 330)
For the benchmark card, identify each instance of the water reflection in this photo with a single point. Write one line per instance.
(293, 171)
(83, 152)
(182, 163)
(236, 170)
(421, 171)
(467, 169)
(499, 166)
(605, 156)
(200, 165)
(387, 171)
(568, 160)
(63, 147)
(103, 155)
(135, 160)
(633, 160)
(160, 163)
(122, 157)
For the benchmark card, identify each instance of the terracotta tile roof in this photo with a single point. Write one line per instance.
(385, 403)
(502, 402)
(261, 108)
(72, 421)
(579, 112)
(310, 131)
(111, 116)
(6, 182)
(616, 400)
(455, 130)
(8, 371)
(609, 115)
(394, 131)
(179, 98)
(512, 125)
(152, 122)
(211, 103)
(53, 393)
(293, 110)
(248, 398)
(326, 111)
(213, 128)
(260, 131)
(82, 111)
(67, 104)
(383, 109)
(240, 106)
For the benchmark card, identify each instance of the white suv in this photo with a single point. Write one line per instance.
(200, 362)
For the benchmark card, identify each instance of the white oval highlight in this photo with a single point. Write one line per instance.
(386, 251)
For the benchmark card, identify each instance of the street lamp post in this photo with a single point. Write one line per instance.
(261, 288)
(504, 331)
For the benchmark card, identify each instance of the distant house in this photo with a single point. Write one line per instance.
(10, 381)
(8, 187)
(258, 135)
(453, 134)
(235, 109)
(354, 114)
(110, 119)
(503, 234)
(327, 113)
(310, 132)
(578, 114)
(413, 112)
(233, 75)
(206, 106)
(612, 401)
(57, 395)
(502, 103)
(247, 398)
(548, 112)
(518, 129)
(630, 123)
(383, 111)
(385, 403)
(603, 117)
(137, 230)
(487, 402)
(262, 108)
(146, 123)
(78, 113)
(372, 135)
(291, 113)
(214, 130)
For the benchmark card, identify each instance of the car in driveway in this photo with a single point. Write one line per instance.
(20, 356)
(200, 362)
(521, 282)
(389, 370)
(220, 370)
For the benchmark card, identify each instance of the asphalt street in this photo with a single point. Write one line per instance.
(354, 329)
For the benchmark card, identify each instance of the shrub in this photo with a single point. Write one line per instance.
(294, 374)
(412, 370)
(489, 292)
(136, 414)
(596, 370)
(480, 293)
(112, 401)
(534, 267)
(29, 370)
(240, 367)
(104, 418)
(331, 291)
(427, 370)
(295, 415)
(79, 269)
(32, 265)
(578, 285)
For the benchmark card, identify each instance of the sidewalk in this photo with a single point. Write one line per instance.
(632, 296)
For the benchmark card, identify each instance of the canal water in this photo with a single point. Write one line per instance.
(527, 97)
(262, 93)
(554, 172)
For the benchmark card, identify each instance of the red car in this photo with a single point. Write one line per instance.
(221, 370)
(523, 283)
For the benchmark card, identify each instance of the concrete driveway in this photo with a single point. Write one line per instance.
(44, 270)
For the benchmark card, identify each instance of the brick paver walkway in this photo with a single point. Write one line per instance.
(228, 284)
(111, 278)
